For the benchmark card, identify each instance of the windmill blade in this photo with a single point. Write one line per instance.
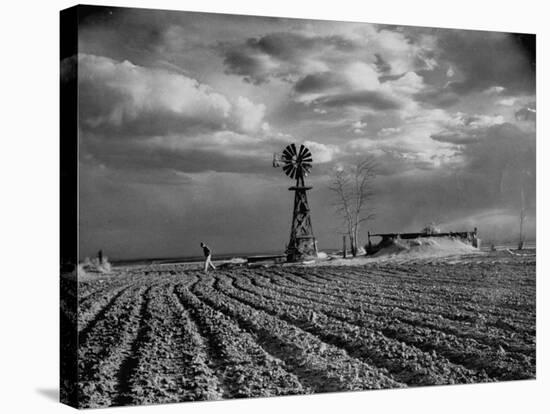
(293, 172)
(286, 153)
(301, 152)
(287, 168)
(293, 149)
(296, 162)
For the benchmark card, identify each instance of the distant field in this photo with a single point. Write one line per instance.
(155, 334)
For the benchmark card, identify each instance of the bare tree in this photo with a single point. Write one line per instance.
(353, 186)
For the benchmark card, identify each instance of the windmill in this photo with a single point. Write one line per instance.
(297, 165)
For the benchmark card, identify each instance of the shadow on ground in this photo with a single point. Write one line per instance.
(51, 394)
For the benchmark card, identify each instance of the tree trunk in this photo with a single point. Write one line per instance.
(353, 238)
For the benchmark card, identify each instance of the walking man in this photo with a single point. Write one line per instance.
(208, 257)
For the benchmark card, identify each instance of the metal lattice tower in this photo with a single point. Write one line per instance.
(297, 165)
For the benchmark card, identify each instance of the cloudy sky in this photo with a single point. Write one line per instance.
(180, 113)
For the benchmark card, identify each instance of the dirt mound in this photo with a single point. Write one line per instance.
(426, 247)
(93, 268)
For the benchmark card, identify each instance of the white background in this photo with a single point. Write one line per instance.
(29, 235)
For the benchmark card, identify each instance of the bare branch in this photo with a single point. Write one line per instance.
(353, 188)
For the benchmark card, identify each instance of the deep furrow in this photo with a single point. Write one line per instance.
(434, 301)
(362, 278)
(129, 364)
(493, 337)
(244, 368)
(87, 321)
(467, 353)
(320, 366)
(108, 345)
(168, 362)
(468, 282)
(370, 346)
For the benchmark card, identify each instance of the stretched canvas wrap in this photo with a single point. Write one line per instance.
(258, 206)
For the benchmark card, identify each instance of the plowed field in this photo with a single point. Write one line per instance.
(168, 333)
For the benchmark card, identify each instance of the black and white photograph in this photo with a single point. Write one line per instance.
(268, 206)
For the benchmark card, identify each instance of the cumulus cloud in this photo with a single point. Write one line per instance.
(132, 100)
(322, 153)
(464, 129)
(494, 90)
(116, 93)
(507, 102)
(249, 115)
(312, 60)
(132, 116)
(362, 76)
(384, 132)
(408, 84)
(358, 127)
(402, 53)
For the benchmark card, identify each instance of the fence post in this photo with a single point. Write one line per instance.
(344, 242)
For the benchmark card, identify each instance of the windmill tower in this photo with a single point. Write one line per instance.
(297, 165)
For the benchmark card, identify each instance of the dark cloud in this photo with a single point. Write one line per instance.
(487, 59)
(382, 66)
(502, 147)
(437, 98)
(288, 46)
(458, 138)
(370, 99)
(501, 156)
(386, 78)
(250, 67)
(277, 55)
(139, 158)
(527, 113)
(317, 82)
